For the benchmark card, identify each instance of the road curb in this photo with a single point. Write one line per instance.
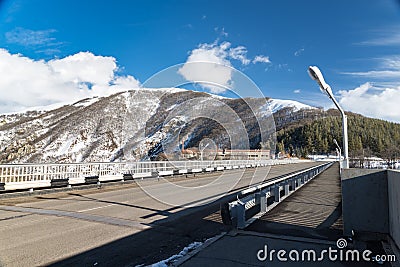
(206, 244)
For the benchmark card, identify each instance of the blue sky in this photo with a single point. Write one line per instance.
(355, 43)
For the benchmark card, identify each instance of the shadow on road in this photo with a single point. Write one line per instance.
(170, 235)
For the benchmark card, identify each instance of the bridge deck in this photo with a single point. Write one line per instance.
(310, 218)
(115, 227)
(312, 211)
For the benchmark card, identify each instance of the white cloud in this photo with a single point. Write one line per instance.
(239, 53)
(209, 63)
(379, 74)
(84, 66)
(378, 99)
(27, 83)
(372, 101)
(387, 68)
(383, 37)
(297, 91)
(299, 52)
(390, 62)
(29, 37)
(218, 69)
(41, 41)
(122, 83)
(221, 31)
(261, 59)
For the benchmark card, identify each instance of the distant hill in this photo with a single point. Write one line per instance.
(144, 124)
(136, 121)
(313, 131)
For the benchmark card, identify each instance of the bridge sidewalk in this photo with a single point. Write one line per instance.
(310, 218)
(313, 211)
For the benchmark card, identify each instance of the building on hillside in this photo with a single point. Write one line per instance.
(243, 154)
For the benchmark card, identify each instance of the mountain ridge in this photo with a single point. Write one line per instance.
(137, 125)
(94, 129)
(276, 104)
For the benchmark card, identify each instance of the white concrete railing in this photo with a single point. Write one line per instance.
(19, 176)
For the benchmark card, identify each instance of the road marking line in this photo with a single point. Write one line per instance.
(97, 208)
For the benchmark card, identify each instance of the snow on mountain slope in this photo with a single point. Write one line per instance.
(274, 105)
(90, 130)
(278, 104)
(104, 128)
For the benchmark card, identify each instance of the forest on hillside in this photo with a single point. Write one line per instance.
(367, 137)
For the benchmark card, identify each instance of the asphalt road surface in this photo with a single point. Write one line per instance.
(126, 225)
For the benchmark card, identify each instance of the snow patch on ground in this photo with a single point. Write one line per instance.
(63, 149)
(174, 258)
(79, 146)
(171, 107)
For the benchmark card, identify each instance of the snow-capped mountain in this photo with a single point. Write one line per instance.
(133, 125)
(277, 104)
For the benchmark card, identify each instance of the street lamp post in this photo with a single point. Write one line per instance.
(201, 151)
(339, 151)
(316, 75)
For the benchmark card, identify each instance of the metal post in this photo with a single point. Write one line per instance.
(293, 182)
(287, 188)
(240, 215)
(345, 142)
(316, 75)
(263, 201)
(344, 132)
(277, 193)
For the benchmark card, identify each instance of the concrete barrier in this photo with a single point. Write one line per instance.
(166, 173)
(364, 201)
(59, 182)
(76, 181)
(92, 179)
(25, 185)
(371, 203)
(127, 177)
(394, 205)
(107, 178)
(143, 175)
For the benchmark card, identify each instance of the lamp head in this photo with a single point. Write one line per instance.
(336, 143)
(316, 75)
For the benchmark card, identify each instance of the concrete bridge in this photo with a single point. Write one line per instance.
(120, 224)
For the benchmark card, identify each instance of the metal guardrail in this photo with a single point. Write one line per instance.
(259, 199)
(19, 176)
